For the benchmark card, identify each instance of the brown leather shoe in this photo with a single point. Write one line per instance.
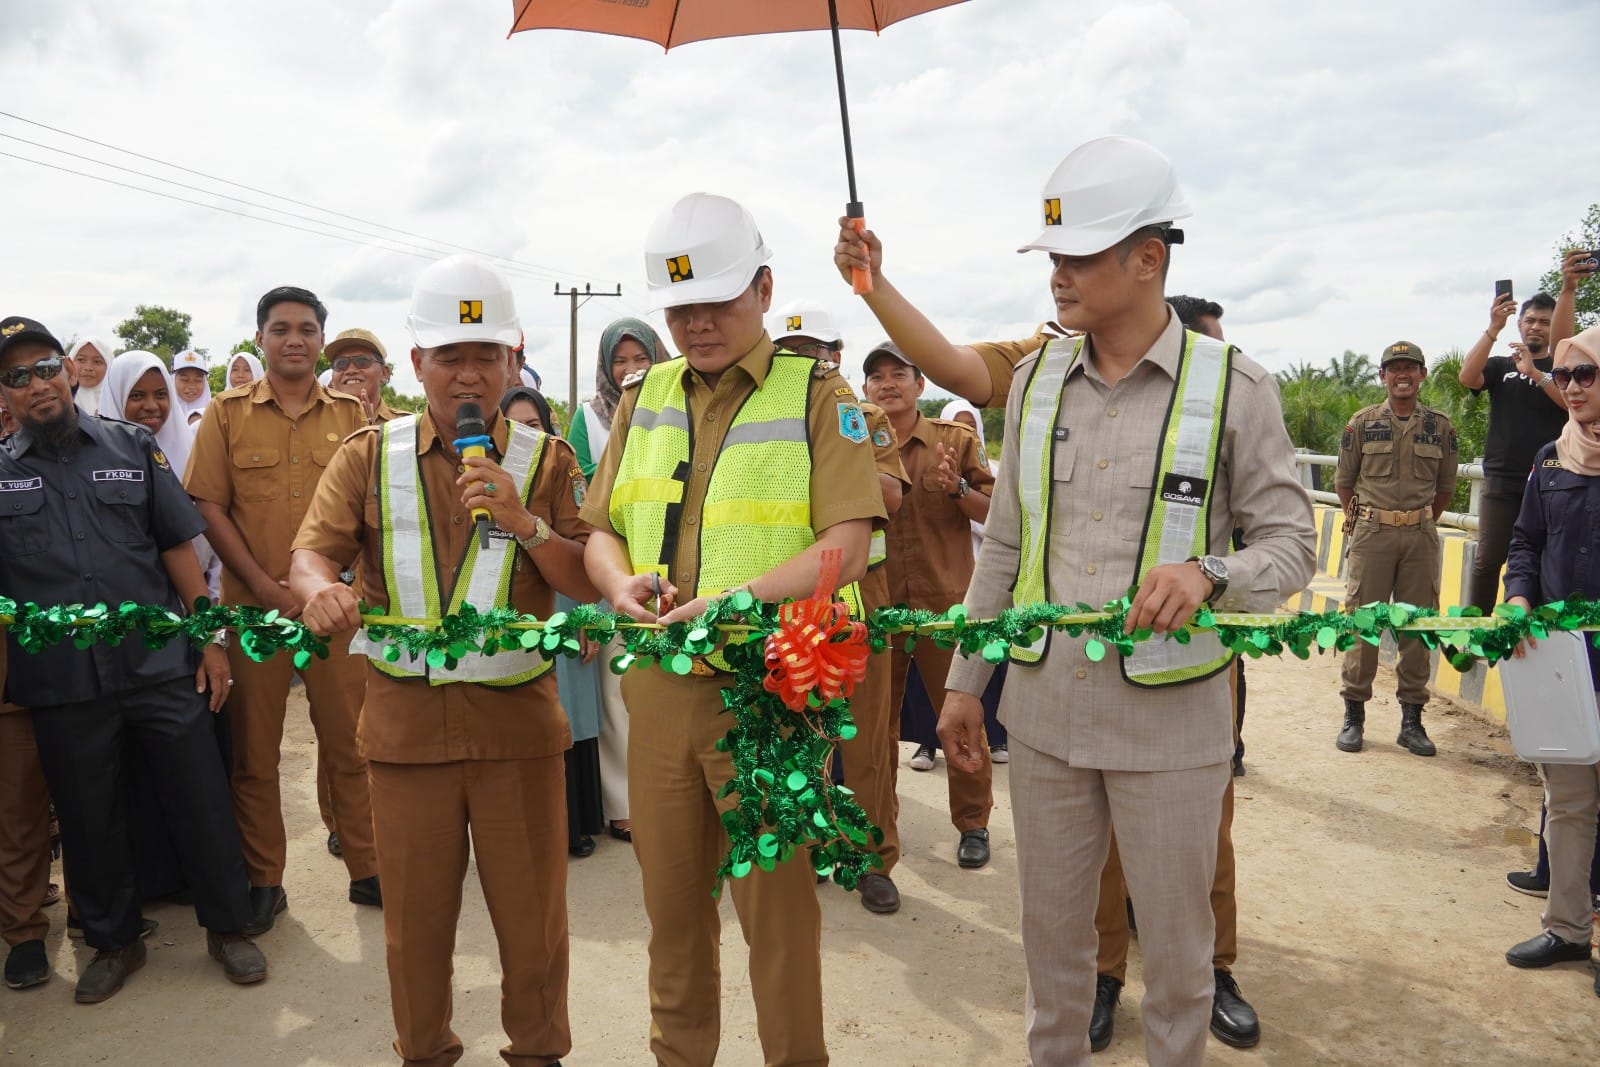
(241, 960)
(107, 971)
(878, 894)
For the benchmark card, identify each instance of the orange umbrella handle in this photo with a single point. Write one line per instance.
(860, 280)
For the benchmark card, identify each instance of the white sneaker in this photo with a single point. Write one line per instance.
(922, 759)
(999, 753)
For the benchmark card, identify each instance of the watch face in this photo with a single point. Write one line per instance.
(1215, 567)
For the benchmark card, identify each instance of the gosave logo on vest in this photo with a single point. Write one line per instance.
(1181, 489)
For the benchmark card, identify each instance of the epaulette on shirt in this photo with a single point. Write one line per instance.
(633, 379)
(823, 369)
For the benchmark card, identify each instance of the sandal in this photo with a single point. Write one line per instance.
(52, 895)
(621, 833)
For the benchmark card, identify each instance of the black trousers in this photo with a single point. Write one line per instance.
(1497, 514)
(81, 750)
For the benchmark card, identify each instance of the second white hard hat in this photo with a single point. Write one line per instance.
(462, 298)
(705, 249)
(805, 318)
(1105, 190)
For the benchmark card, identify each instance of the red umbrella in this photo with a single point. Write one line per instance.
(670, 23)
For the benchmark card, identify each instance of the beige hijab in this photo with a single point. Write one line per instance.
(1578, 448)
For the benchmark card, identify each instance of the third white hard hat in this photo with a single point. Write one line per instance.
(705, 249)
(804, 318)
(462, 298)
(1105, 190)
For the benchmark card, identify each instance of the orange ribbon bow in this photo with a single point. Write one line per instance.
(816, 647)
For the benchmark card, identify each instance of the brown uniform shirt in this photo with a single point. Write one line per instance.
(385, 413)
(1002, 357)
(885, 448)
(930, 537)
(406, 720)
(844, 480)
(1397, 464)
(262, 467)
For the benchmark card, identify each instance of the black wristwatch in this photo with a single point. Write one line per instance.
(961, 490)
(1216, 571)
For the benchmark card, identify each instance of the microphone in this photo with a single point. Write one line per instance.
(472, 439)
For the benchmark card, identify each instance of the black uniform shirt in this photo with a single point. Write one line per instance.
(1521, 420)
(86, 526)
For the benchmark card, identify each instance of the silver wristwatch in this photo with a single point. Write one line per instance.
(1216, 572)
(541, 534)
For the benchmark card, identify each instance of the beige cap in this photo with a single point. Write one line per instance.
(353, 339)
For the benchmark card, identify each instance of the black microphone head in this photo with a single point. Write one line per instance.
(469, 421)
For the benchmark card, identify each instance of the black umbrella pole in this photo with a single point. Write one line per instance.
(860, 280)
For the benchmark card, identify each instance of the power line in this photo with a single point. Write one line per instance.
(544, 270)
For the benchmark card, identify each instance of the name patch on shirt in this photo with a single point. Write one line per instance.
(1183, 489)
(21, 485)
(1377, 431)
(119, 476)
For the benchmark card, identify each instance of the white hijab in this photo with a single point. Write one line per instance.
(956, 407)
(88, 396)
(257, 371)
(174, 438)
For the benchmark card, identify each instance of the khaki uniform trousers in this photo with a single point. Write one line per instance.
(1572, 802)
(24, 832)
(872, 756)
(674, 774)
(1111, 915)
(1166, 821)
(971, 792)
(514, 813)
(334, 689)
(1398, 563)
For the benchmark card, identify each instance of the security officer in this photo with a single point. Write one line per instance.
(90, 512)
(258, 456)
(871, 759)
(930, 558)
(361, 368)
(775, 473)
(1397, 471)
(474, 751)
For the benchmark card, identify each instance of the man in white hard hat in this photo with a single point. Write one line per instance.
(470, 750)
(780, 472)
(1130, 455)
(258, 456)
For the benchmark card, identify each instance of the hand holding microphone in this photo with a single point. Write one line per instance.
(472, 442)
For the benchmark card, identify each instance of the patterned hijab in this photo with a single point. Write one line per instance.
(606, 391)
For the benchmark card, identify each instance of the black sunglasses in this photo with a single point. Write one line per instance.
(359, 362)
(1583, 374)
(45, 369)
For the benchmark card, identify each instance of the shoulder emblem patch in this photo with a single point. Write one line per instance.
(161, 459)
(580, 485)
(1349, 437)
(881, 439)
(852, 423)
(844, 390)
(823, 369)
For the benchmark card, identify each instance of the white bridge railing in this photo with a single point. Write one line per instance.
(1309, 464)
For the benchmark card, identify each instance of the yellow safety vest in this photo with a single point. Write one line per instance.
(410, 577)
(1177, 523)
(757, 510)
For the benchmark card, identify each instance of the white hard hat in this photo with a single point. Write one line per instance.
(704, 250)
(805, 318)
(188, 359)
(462, 298)
(1104, 190)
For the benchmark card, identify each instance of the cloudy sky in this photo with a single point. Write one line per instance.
(1361, 171)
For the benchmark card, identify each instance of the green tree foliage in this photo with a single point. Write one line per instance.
(1317, 402)
(1442, 390)
(153, 328)
(403, 401)
(1586, 236)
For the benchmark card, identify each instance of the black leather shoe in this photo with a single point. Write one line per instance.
(973, 851)
(241, 960)
(1355, 719)
(1546, 949)
(107, 971)
(334, 848)
(27, 965)
(1233, 1020)
(266, 901)
(1102, 1023)
(581, 848)
(366, 891)
(878, 894)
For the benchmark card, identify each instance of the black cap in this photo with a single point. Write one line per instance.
(14, 329)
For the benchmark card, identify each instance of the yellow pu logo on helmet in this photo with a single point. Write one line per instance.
(678, 269)
(792, 323)
(472, 311)
(1052, 211)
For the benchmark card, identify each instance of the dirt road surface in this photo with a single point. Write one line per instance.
(1374, 916)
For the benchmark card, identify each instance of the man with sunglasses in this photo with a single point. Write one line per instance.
(361, 368)
(1397, 470)
(91, 512)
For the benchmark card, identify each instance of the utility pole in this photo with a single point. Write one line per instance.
(587, 293)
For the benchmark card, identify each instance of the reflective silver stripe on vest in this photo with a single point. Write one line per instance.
(760, 433)
(877, 548)
(645, 420)
(1035, 462)
(407, 556)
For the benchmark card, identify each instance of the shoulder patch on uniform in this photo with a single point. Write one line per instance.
(1551, 462)
(161, 459)
(823, 369)
(881, 439)
(632, 380)
(852, 423)
(844, 390)
(1349, 437)
(580, 485)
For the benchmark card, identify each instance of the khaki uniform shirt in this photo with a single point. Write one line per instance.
(1084, 712)
(406, 720)
(844, 481)
(262, 467)
(930, 537)
(885, 449)
(385, 413)
(1397, 464)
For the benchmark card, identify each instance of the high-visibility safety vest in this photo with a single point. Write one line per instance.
(410, 577)
(1177, 523)
(878, 549)
(757, 510)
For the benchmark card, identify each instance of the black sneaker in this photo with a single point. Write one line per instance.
(1529, 883)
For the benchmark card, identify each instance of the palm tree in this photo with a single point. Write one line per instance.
(1352, 372)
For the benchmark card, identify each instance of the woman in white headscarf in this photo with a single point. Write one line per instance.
(243, 368)
(91, 357)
